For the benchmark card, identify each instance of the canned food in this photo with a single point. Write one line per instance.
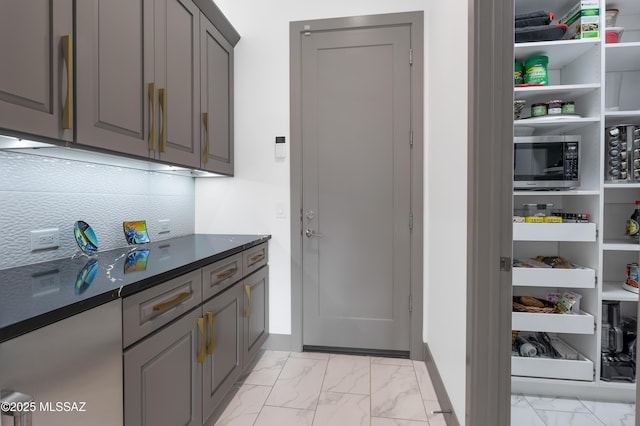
(569, 107)
(538, 110)
(554, 107)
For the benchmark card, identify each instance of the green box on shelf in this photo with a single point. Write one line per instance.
(583, 20)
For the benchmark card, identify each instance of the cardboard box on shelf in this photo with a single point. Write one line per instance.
(583, 20)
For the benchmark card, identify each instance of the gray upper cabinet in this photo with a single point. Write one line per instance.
(36, 76)
(114, 67)
(151, 79)
(138, 78)
(177, 79)
(216, 99)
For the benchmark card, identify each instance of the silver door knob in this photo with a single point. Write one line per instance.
(311, 233)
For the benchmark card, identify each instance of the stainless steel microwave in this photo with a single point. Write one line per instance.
(546, 162)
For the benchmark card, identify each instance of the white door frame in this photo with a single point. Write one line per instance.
(297, 29)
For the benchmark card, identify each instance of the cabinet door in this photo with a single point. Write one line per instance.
(162, 378)
(114, 67)
(177, 75)
(216, 76)
(33, 75)
(256, 313)
(223, 364)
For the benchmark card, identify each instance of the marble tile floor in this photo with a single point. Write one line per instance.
(317, 389)
(529, 410)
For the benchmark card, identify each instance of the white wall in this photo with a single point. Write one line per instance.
(446, 195)
(248, 202)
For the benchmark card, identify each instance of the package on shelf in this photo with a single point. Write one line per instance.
(541, 345)
(567, 302)
(583, 20)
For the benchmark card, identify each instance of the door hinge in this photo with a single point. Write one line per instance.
(505, 264)
(410, 221)
(410, 56)
(410, 304)
(596, 280)
(411, 138)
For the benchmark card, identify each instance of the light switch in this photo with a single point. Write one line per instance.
(281, 210)
(280, 147)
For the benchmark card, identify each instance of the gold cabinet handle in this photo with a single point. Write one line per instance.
(247, 312)
(226, 274)
(257, 258)
(205, 152)
(162, 95)
(209, 316)
(67, 55)
(171, 303)
(200, 357)
(152, 127)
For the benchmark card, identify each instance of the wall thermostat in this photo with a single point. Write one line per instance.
(280, 148)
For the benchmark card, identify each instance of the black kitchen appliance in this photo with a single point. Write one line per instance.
(618, 346)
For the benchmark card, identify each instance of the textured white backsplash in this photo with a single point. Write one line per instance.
(39, 192)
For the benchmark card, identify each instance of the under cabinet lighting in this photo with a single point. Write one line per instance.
(67, 152)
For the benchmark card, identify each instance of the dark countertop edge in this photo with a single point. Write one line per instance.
(31, 324)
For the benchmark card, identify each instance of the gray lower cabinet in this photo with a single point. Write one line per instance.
(36, 76)
(256, 313)
(223, 363)
(162, 378)
(181, 355)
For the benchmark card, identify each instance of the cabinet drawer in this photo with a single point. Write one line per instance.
(255, 258)
(581, 369)
(583, 323)
(554, 277)
(149, 310)
(220, 275)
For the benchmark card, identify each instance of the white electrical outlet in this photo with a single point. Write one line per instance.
(165, 226)
(45, 238)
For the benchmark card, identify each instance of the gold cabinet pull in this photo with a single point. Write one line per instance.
(209, 316)
(205, 152)
(257, 258)
(162, 95)
(171, 303)
(247, 312)
(152, 127)
(67, 55)
(200, 357)
(226, 274)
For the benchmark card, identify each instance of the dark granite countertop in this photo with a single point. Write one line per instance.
(37, 295)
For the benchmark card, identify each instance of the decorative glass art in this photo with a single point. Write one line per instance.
(136, 261)
(136, 232)
(85, 237)
(86, 276)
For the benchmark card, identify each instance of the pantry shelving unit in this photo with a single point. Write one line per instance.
(604, 81)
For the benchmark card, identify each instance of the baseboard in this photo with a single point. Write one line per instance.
(438, 385)
(278, 342)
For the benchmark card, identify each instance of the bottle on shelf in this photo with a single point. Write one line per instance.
(633, 223)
